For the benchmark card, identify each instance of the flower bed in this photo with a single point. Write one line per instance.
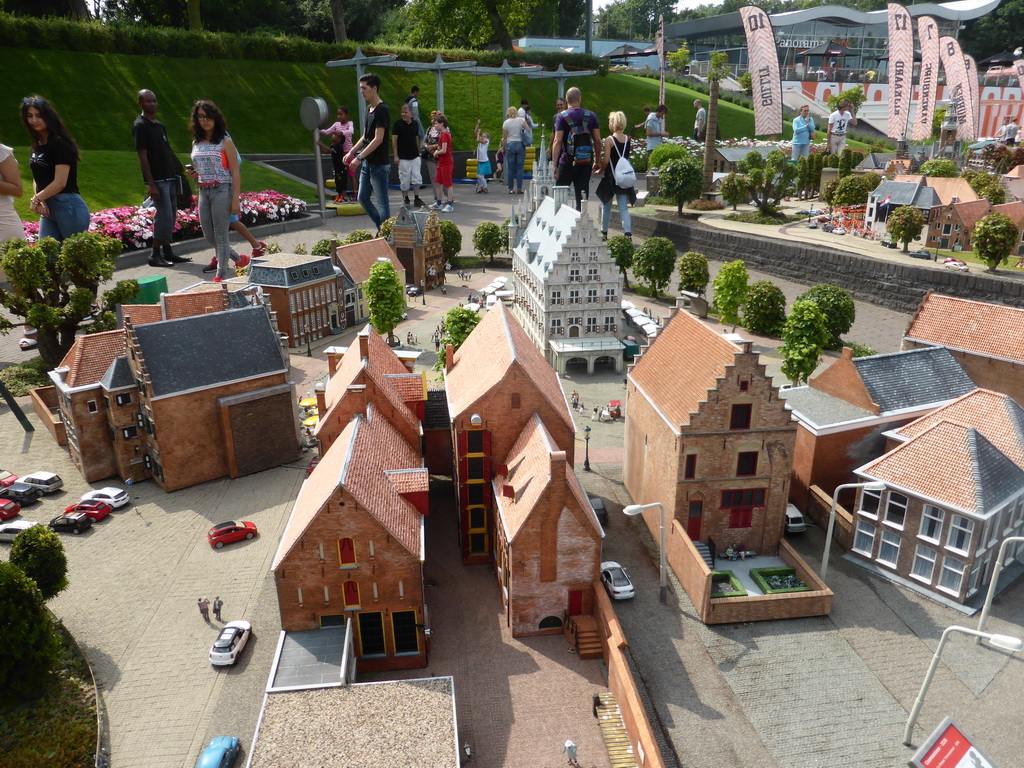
(132, 226)
(725, 584)
(775, 581)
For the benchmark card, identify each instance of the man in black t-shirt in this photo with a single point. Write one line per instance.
(405, 143)
(159, 174)
(371, 152)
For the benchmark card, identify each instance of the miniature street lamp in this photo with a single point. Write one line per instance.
(423, 291)
(871, 486)
(1005, 642)
(309, 350)
(1000, 558)
(586, 456)
(636, 509)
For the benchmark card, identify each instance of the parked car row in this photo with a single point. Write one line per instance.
(17, 492)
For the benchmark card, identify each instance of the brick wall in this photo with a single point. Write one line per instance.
(896, 285)
(819, 507)
(44, 403)
(829, 460)
(313, 564)
(94, 455)
(261, 432)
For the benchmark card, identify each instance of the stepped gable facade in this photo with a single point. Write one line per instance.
(418, 245)
(709, 437)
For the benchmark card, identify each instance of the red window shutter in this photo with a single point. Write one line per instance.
(487, 470)
(487, 493)
(348, 552)
(508, 491)
(501, 469)
(487, 442)
(351, 594)
(464, 496)
(463, 444)
(463, 469)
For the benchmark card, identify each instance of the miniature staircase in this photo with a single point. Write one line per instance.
(702, 548)
(616, 740)
(582, 632)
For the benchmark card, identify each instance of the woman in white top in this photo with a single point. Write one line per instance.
(10, 188)
(515, 151)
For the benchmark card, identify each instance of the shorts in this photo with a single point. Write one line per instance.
(443, 176)
(484, 168)
(409, 173)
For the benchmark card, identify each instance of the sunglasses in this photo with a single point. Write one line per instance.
(37, 103)
(201, 116)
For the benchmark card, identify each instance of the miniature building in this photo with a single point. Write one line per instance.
(1013, 181)
(926, 193)
(954, 491)
(416, 239)
(303, 292)
(489, 406)
(986, 339)
(353, 548)
(953, 225)
(548, 540)
(727, 159)
(355, 261)
(842, 412)
(568, 289)
(709, 438)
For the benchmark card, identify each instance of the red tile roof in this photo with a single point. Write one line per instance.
(948, 188)
(971, 212)
(494, 347)
(358, 258)
(411, 386)
(681, 366)
(141, 314)
(991, 330)
(199, 303)
(91, 356)
(409, 480)
(1014, 210)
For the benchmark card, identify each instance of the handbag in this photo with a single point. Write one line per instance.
(625, 174)
(605, 189)
(527, 134)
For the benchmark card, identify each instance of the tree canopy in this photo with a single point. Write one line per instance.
(27, 636)
(905, 224)
(769, 179)
(805, 335)
(994, 239)
(39, 552)
(386, 298)
(654, 263)
(730, 287)
(459, 322)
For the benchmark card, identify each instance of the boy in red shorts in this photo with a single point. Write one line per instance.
(445, 164)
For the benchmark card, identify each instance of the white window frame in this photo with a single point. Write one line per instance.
(867, 513)
(967, 529)
(938, 517)
(892, 502)
(863, 528)
(921, 555)
(891, 540)
(947, 561)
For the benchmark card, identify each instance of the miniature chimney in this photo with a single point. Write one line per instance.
(321, 397)
(561, 196)
(364, 345)
(449, 357)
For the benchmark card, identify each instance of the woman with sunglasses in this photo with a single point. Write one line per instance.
(54, 165)
(215, 168)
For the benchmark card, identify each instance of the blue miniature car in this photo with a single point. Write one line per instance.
(221, 753)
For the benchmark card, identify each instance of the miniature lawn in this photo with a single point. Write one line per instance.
(725, 584)
(775, 581)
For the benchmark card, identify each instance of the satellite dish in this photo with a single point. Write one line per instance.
(313, 113)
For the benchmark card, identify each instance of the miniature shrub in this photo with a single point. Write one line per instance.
(764, 309)
(706, 205)
(451, 239)
(725, 584)
(386, 226)
(693, 273)
(356, 236)
(837, 305)
(21, 377)
(774, 581)
(322, 247)
(665, 152)
(489, 239)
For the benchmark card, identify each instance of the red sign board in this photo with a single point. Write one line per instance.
(948, 747)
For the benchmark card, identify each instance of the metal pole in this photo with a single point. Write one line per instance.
(505, 79)
(589, 33)
(586, 458)
(663, 588)
(870, 485)
(986, 609)
(320, 172)
(439, 78)
(359, 95)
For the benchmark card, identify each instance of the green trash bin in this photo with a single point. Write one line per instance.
(150, 289)
(630, 350)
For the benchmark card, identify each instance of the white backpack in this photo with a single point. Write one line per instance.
(622, 170)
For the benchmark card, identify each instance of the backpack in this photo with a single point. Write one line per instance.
(625, 175)
(579, 144)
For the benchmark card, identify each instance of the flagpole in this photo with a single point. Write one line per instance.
(661, 57)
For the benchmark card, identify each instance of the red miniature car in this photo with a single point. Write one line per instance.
(312, 465)
(7, 478)
(226, 533)
(97, 510)
(9, 509)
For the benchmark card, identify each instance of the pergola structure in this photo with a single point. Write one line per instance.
(361, 61)
(561, 75)
(506, 71)
(438, 66)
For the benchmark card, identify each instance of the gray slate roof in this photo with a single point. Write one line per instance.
(998, 477)
(821, 409)
(906, 193)
(435, 410)
(876, 161)
(289, 269)
(914, 378)
(118, 375)
(735, 154)
(208, 350)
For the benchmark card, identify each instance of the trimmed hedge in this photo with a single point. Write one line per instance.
(96, 37)
(760, 576)
(727, 576)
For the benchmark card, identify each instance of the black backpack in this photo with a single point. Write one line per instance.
(579, 144)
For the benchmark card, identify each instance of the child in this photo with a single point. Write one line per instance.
(337, 153)
(345, 128)
(483, 163)
(499, 163)
(445, 163)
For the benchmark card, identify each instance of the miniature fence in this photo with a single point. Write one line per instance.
(44, 403)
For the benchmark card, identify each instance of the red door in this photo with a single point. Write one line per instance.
(694, 519)
(575, 602)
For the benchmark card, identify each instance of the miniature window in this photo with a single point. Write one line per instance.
(475, 493)
(305, 272)
(514, 400)
(889, 549)
(123, 399)
(294, 273)
(746, 464)
(924, 563)
(951, 576)
(896, 509)
(744, 385)
(591, 295)
(403, 624)
(478, 543)
(609, 294)
(350, 595)
(346, 553)
(690, 467)
(477, 517)
(591, 324)
(475, 469)
(371, 634)
(960, 531)
(739, 417)
(475, 441)
(741, 517)
(291, 302)
(864, 540)
(869, 502)
(931, 523)
(316, 270)
(92, 406)
(574, 296)
(129, 432)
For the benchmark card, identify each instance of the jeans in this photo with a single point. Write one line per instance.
(627, 222)
(69, 215)
(577, 174)
(515, 159)
(801, 150)
(166, 211)
(215, 219)
(374, 178)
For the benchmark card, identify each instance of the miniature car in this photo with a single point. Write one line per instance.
(889, 244)
(7, 478)
(226, 533)
(9, 509)
(597, 503)
(76, 522)
(413, 290)
(9, 530)
(22, 493)
(229, 643)
(957, 264)
(220, 753)
(795, 522)
(922, 254)
(312, 465)
(838, 231)
(813, 225)
(115, 497)
(616, 581)
(47, 482)
(827, 227)
(97, 510)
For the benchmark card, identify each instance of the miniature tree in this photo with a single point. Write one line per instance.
(764, 309)
(325, 246)
(986, 185)
(693, 273)
(995, 238)
(717, 72)
(905, 224)
(747, 83)
(855, 189)
(678, 60)
(654, 262)
(459, 322)
(39, 552)
(662, 154)
(803, 176)
(55, 288)
(730, 287)
(828, 192)
(357, 236)
(846, 163)
(856, 96)
(451, 240)
(838, 307)
(386, 227)
(819, 163)
(681, 180)
(622, 250)
(27, 636)
(771, 178)
(734, 189)
(489, 239)
(940, 167)
(386, 299)
(805, 335)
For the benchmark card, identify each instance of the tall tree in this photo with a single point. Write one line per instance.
(654, 262)
(459, 322)
(805, 335)
(730, 287)
(716, 73)
(769, 179)
(338, 21)
(905, 224)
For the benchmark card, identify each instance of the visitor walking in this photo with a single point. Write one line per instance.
(617, 146)
(405, 143)
(654, 128)
(204, 608)
(512, 131)
(577, 146)
(445, 163)
(371, 153)
(217, 605)
(430, 140)
(700, 121)
(215, 168)
(413, 100)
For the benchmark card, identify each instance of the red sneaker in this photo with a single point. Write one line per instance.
(212, 266)
(258, 251)
(218, 279)
(243, 261)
